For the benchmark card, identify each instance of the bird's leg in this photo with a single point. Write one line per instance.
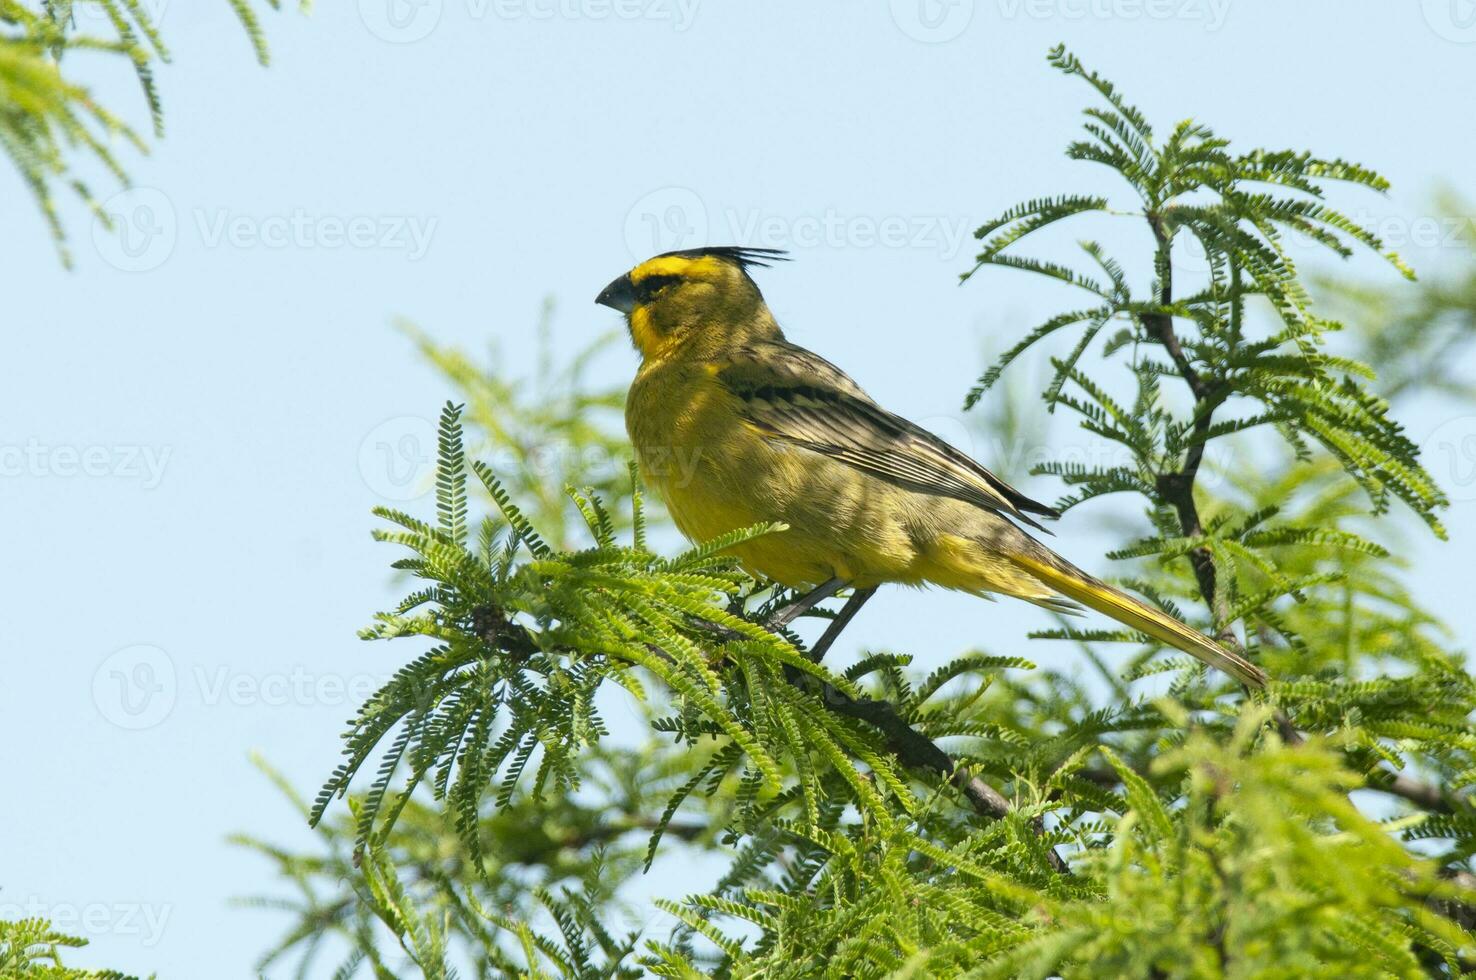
(805, 603)
(840, 622)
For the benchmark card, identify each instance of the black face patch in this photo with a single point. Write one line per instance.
(647, 288)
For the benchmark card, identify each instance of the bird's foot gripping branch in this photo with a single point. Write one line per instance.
(879, 820)
(840, 777)
(525, 637)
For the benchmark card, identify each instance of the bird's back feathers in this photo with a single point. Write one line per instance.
(797, 397)
(763, 431)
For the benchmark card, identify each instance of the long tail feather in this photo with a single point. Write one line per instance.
(1093, 593)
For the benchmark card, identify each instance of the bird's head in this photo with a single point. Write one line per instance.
(696, 294)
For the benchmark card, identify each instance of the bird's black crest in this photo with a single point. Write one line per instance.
(742, 254)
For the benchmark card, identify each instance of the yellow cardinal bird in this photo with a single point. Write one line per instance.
(734, 426)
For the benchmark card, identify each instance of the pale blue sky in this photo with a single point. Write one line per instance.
(191, 419)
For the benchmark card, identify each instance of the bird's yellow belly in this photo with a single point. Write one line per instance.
(718, 474)
(717, 477)
(812, 549)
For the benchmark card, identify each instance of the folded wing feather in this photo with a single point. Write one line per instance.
(799, 398)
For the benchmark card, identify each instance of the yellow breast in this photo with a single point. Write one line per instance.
(696, 451)
(717, 474)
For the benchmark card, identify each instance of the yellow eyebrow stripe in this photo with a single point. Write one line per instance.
(675, 265)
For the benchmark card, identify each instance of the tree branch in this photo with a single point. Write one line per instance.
(1177, 486)
(910, 747)
(1177, 489)
(1426, 796)
(916, 751)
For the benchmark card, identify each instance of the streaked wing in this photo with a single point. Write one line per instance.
(797, 397)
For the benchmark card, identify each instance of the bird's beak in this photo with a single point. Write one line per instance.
(619, 295)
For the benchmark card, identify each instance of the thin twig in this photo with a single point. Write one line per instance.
(1177, 486)
(916, 751)
(1177, 489)
(840, 622)
(909, 746)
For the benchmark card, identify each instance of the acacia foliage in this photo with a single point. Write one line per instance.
(51, 124)
(32, 948)
(1153, 820)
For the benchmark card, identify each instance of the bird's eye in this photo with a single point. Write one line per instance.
(647, 288)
